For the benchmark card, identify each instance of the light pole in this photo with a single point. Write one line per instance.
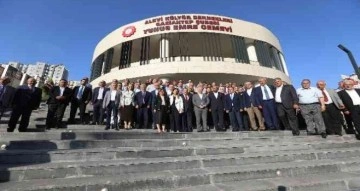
(352, 59)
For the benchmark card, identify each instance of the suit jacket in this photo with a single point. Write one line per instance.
(86, 96)
(143, 101)
(95, 93)
(158, 102)
(26, 98)
(217, 103)
(335, 97)
(197, 101)
(259, 95)
(252, 99)
(288, 96)
(233, 104)
(348, 103)
(8, 96)
(188, 105)
(55, 91)
(107, 98)
(153, 98)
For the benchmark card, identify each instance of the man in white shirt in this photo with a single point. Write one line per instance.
(112, 104)
(351, 100)
(97, 101)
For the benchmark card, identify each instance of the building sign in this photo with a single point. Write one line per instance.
(188, 22)
(129, 31)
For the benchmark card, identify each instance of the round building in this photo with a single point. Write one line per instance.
(189, 46)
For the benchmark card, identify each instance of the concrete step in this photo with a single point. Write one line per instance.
(172, 179)
(126, 166)
(112, 143)
(319, 182)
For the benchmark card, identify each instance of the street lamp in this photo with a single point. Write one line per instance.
(352, 59)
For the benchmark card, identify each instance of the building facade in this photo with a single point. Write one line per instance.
(190, 46)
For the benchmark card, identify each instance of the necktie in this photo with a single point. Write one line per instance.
(1, 91)
(326, 99)
(80, 92)
(267, 96)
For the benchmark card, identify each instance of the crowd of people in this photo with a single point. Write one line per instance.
(181, 107)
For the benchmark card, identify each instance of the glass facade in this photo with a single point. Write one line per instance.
(211, 47)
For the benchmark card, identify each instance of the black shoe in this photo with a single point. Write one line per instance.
(117, 129)
(107, 128)
(10, 130)
(323, 135)
(201, 131)
(220, 130)
(235, 130)
(296, 134)
(357, 136)
(93, 123)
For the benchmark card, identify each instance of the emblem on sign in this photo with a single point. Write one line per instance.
(129, 31)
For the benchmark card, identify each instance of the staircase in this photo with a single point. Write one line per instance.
(86, 158)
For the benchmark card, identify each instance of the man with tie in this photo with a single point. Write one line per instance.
(59, 98)
(142, 105)
(81, 97)
(200, 102)
(333, 105)
(251, 106)
(351, 99)
(217, 101)
(287, 104)
(97, 102)
(312, 104)
(27, 98)
(7, 94)
(154, 95)
(265, 98)
(187, 117)
(233, 107)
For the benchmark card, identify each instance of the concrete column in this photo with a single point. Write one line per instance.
(252, 52)
(164, 48)
(283, 64)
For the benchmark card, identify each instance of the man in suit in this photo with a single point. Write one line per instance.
(59, 98)
(233, 107)
(7, 94)
(351, 100)
(111, 103)
(251, 106)
(287, 105)
(27, 98)
(187, 118)
(333, 106)
(200, 102)
(217, 101)
(142, 104)
(97, 102)
(81, 97)
(265, 98)
(154, 94)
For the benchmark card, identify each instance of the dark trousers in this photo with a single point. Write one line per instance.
(98, 112)
(218, 119)
(18, 112)
(349, 124)
(236, 120)
(175, 121)
(288, 118)
(75, 104)
(246, 120)
(355, 115)
(55, 115)
(112, 110)
(333, 119)
(270, 116)
(187, 121)
(142, 117)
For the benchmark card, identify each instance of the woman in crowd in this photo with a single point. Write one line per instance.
(176, 108)
(127, 104)
(161, 107)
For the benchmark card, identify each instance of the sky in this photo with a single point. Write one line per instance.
(67, 31)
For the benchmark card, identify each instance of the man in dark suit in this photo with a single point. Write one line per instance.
(97, 102)
(7, 94)
(27, 98)
(233, 107)
(187, 118)
(217, 101)
(81, 97)
(59, 98)
(351, 99)
(265, 97)
(142, 104)
(154, 94)
(287, 105)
